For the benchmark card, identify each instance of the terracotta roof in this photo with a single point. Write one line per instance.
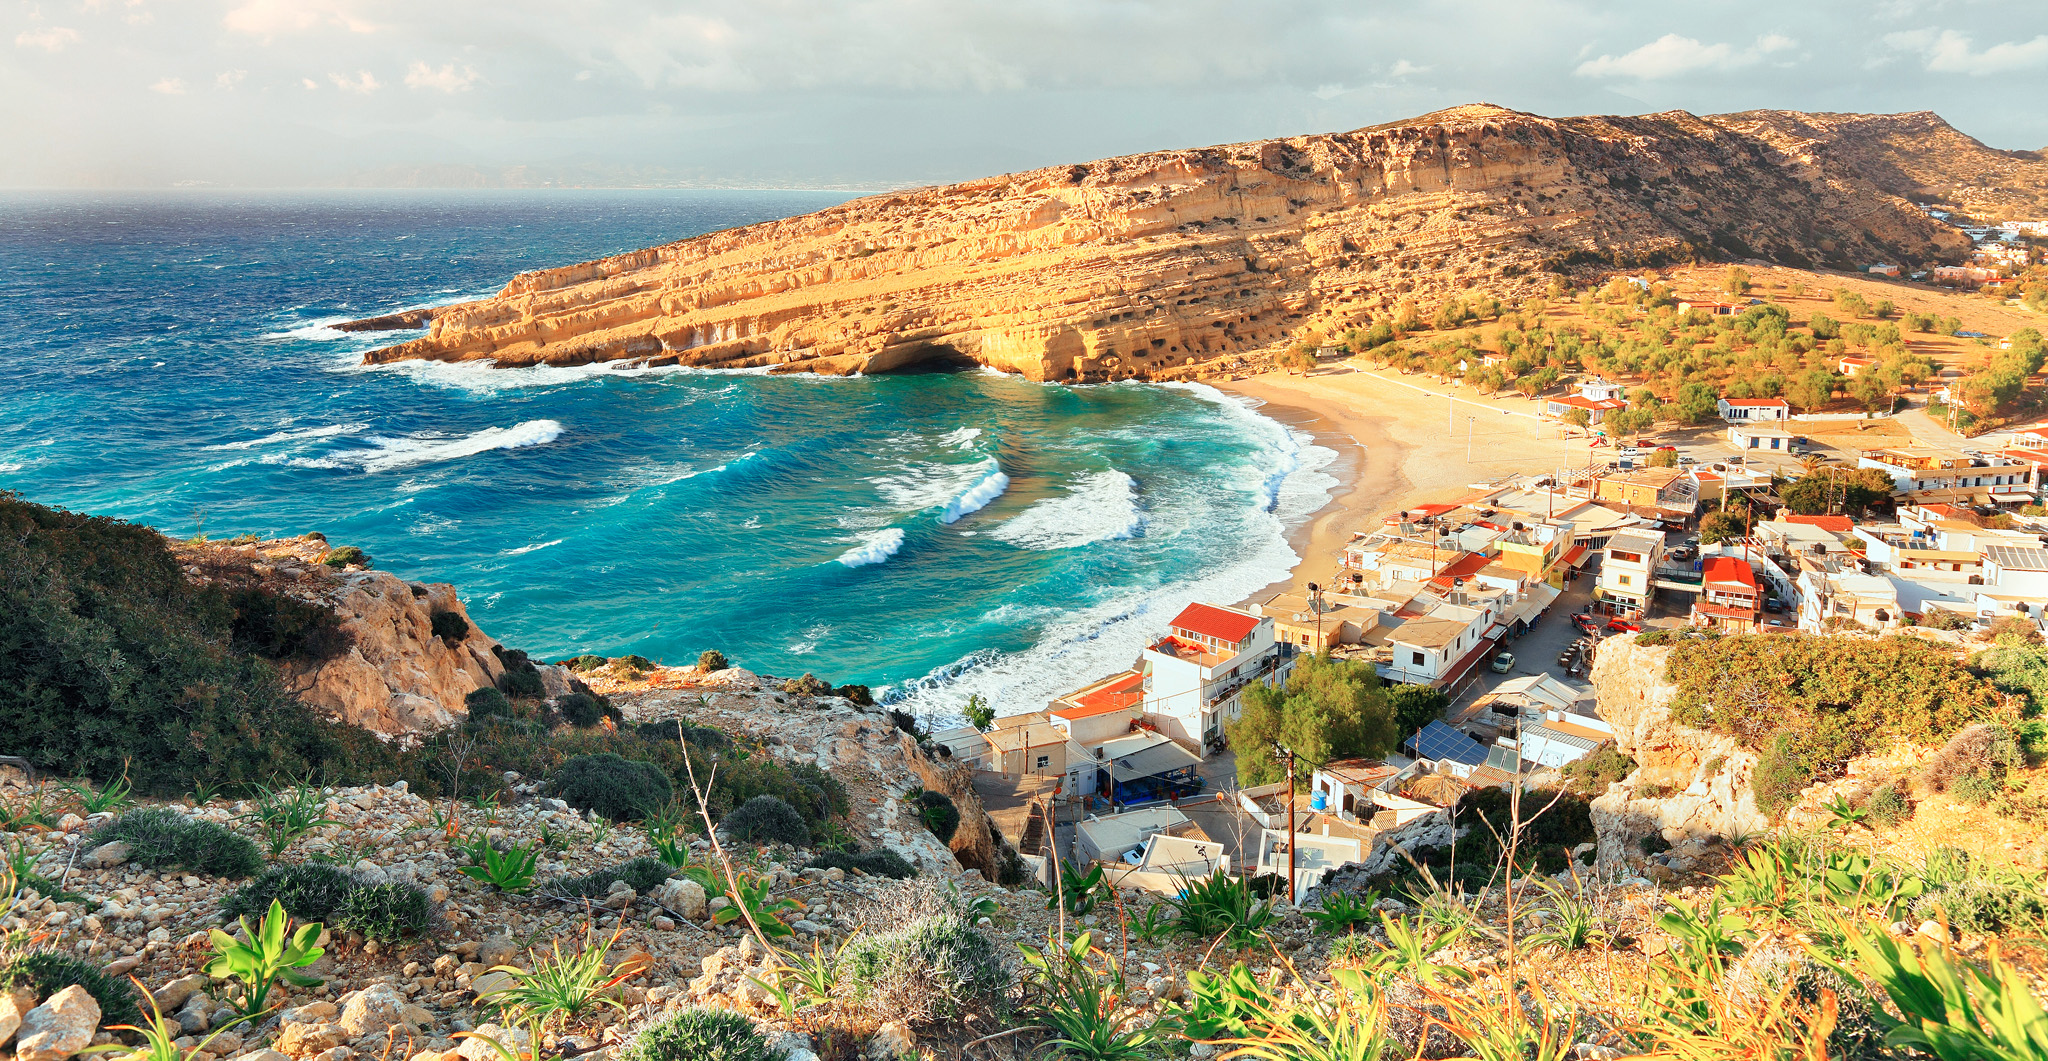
(1756, 402)
(1727, 569)
(1466, 565)
(1837, 524)
(1114, 694)
(1222, 624)
(1579, 402)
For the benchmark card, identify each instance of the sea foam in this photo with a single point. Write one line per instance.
(874, 547)
(1098, 507)
(987, 487)
(392, 453)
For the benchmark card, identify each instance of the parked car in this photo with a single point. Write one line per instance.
(1687, 459)
(1504, 663)
(1585, 622)
(1667, 449)
(1620, 625)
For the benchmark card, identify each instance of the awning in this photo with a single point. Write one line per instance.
(1158, 759)
(1575, 557)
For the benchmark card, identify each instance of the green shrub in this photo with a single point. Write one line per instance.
(858, 694)
(390, 912)
(486, 703)
(636, 663)
(808, 685)
(1888, 806)
(309, 891)
(617, 788)
(580, 709)
(767, 819)
(936, 969)
(1599, 768)
(584, 663)
(939, 814)
(111, 661)
(1654, 637)
(276, 626)
(880, 862)
(1781, 774)
(643, 875)
(160, 837)
(1984, 905)
(48, 972)
(701, 1035)
(521, 677)
(1976, 789)
(710, 661)
(346, 556)
(450, 626)
(1979, 754)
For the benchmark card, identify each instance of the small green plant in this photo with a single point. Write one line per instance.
(1082, 1001)
(939, 814)
(1413, 951)
(802, 981)
(1079, 891)
(268, 956)
(1707, 935)
(1573, 923)
(46, 972)
(935, 969)
(1155, 925)
(709, 661)
(1224, 906)
(449, 626)
(34, 811)
(345, 556)
(284, 816)
(616, 788)
(1887, 805)
(159, 837)
(509, 868)
(561, 988)
(880, 862)
(1950, 1010)
(643, 875)
(701, 1035)
(1342, 913)
(113, 797)
(1843, 814)
(392, 912)
(160, 1036)
(751, 893)
(310, 891)
(766, 819)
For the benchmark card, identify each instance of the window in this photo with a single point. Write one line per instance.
(1417, 658)
(1625, 580)
(1044, 761)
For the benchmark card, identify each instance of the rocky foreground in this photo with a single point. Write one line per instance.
(1178, 264)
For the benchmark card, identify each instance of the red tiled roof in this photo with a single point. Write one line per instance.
(1465, 565)
(1837, 524)
(1727, 569)
(1220, 623)
(1580, 402)
(1757, 402)
(1117, 694)
(1578, 553)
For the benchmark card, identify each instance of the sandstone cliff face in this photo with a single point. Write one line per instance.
(1707, 775)
(1917, 155)
(1176, 264)
(396, 677)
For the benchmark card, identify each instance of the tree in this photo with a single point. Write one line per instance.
(1830, 490)
(1664, 458)
(1328, 709)
(1811, 390)
(1578, 417)
(1868, 387)
(1696, 402)
(1737, 280)
(1725, 525)
(1299, 359)
(979, 714)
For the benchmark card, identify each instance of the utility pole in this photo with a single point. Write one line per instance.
(1315, 603)
(1281, 751)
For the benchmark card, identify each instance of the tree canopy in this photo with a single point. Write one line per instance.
(1328, 709)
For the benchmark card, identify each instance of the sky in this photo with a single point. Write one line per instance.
(886, 93)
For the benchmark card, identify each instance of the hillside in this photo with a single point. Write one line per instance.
(1915, 155)
(1174, 264)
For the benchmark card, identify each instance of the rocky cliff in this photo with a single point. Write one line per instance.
(1181, 263)
(1689, 784)
(1916, 155)
(395, 676)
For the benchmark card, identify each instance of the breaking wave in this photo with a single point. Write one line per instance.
(874, 548)
(1099, 507)
(393, 453)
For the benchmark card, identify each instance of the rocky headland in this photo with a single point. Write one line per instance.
(1184, 264)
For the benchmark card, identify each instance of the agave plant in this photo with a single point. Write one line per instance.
(1082, 992)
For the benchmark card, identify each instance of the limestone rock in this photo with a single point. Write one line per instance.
(107, 855)
(11, 1013)
(890, 1041)
(306, 1040)
(373, 1009)
(59, 1028)
(475, 1049)
(684, 896)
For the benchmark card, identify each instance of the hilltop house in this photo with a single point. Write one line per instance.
(1742, 410)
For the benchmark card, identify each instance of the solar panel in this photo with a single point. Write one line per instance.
(1439, 741)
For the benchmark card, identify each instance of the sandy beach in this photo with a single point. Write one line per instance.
(1401, 441)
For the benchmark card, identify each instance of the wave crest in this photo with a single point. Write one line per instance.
(1099, 507)
(394, 453)
(874, 547)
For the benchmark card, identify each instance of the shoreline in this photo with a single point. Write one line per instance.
(1397, 448)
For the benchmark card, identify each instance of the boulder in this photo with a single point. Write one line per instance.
(684, 896)
(372, 1010)
(476, 1049)
(11, 1012)
(59, 1028)
(107, 856)
(306, 1040)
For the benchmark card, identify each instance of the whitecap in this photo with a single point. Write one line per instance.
(989, 486)
(393, 453)
(954, 489)
(962, 438)
(874, 548)
(12, 467)
(301, 434)
(524, 549)
(1098, 507)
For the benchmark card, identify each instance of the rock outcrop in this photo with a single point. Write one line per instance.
(1689, 784)
(1176, 264)
(396, 676)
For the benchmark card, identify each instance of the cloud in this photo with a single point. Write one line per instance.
(170, 86)
(229, 78)
(1404, 68)
(1672, 55)
(448, 78)
(1948, 52)
(362, 84)
(311, 85)
(54, 39)
(274, 18)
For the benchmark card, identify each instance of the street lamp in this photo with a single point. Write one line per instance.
(1315, 604)
(1283, 752)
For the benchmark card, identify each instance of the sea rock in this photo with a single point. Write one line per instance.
(59, 1028)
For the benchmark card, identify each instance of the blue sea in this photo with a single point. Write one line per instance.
(169, 359)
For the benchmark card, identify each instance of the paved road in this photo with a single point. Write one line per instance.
(1536, 651)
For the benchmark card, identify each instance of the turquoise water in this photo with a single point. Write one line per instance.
(167, 360)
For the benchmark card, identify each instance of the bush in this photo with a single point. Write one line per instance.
(521, 678)
(1888, 806)
(487, 703)
(701, 1035)
(346, 556)
(1976, 789)
(450, 626)
(881, 862)
(636, 663)
(275, 626)
(1983, 905)
(769, 820)
(938, 968)
(858, 694)
(582, 710)
(1980, 753)
(808, 685)
(114, 662)
(48, 972)
(160, 837)
(584, 663)
(711, 661)
(1780, 775)
(390, 912)
(1599, 768)
(617, 788)
(643, 875)
(309, 891)
(939, 814)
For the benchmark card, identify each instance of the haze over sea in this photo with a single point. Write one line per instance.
(168, 361)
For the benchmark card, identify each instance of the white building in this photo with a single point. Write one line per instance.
(1628, 571)
(1110, 838)
(1194, 676)
(1747, 410)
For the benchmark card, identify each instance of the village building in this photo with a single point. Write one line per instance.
(1767, 437)
(1194, 676)
(1628, 573)
(1746, 410)
(1730, 599)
